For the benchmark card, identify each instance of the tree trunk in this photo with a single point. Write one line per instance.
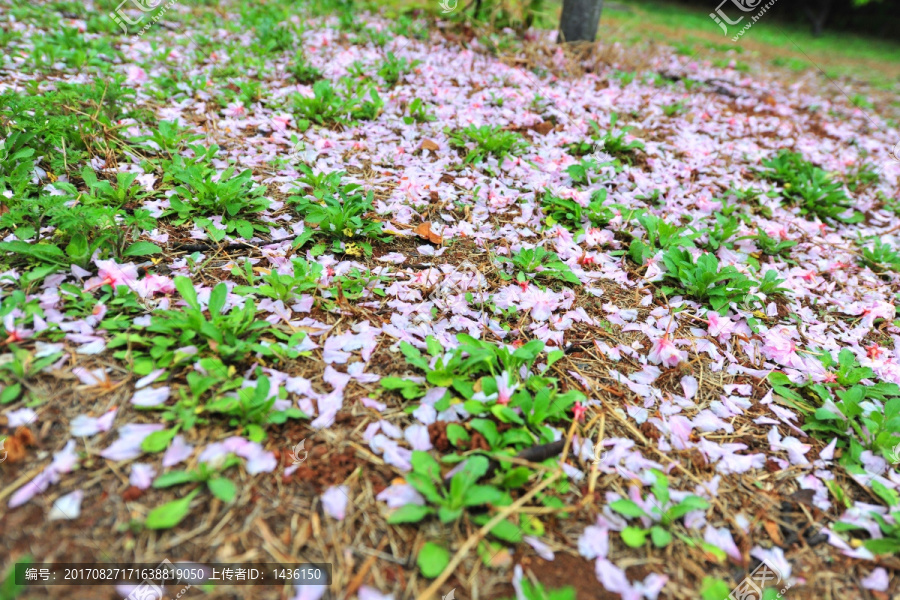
(818, 17)
(579, 20)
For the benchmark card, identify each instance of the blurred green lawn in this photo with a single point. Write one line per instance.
(788, 46)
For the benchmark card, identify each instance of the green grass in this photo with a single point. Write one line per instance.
(772, 42)
(788, 45)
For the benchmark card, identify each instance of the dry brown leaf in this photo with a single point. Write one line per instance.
(543, 128)
(502, 559)
(774, 532)
(429, 145)
(424, 231)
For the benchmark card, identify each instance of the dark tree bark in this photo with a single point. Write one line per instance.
(817, 11)
(579, 20)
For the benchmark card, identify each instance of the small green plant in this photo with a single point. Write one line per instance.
(394, 68)
(533, 590)
(704, 281)
(220, 486)
(570, 214)
(81, 230)
(448, 502)
(810, 187)
(771, 245)
(251, 407)
(273, 37)
(302, 71)
(340, 214)
(9, 589)
(202, 194)
(889, 525)
(231, 335)
(859, 414)
(167, 137)
(416, 113)
(581, 172)
(20, 368)
(659, 508)
(531, 263)
(502, 376)
(486, 140)
(738, 200)
(722, 232)
(862, 175)
(671, 110)
(880, 257)
(328, 105)
(612, 141)
(660, 236)
(277, 286)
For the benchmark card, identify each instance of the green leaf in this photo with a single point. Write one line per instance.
(423, 463)
(410, 513)
(634, 536)
(217, 300)
(171, 513)
(174, 478)
(883, 546)
(504, 530)
(158, 440)
(554, 356)
(627, 508)
(222, 488)
(661, 538)
(186, 288)
(714, 589)
(141, 248)
(488, 429)
(515, 478)
(10, 393)
(456, 433)
(433, 559)
(482, 494)
(78, 248)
